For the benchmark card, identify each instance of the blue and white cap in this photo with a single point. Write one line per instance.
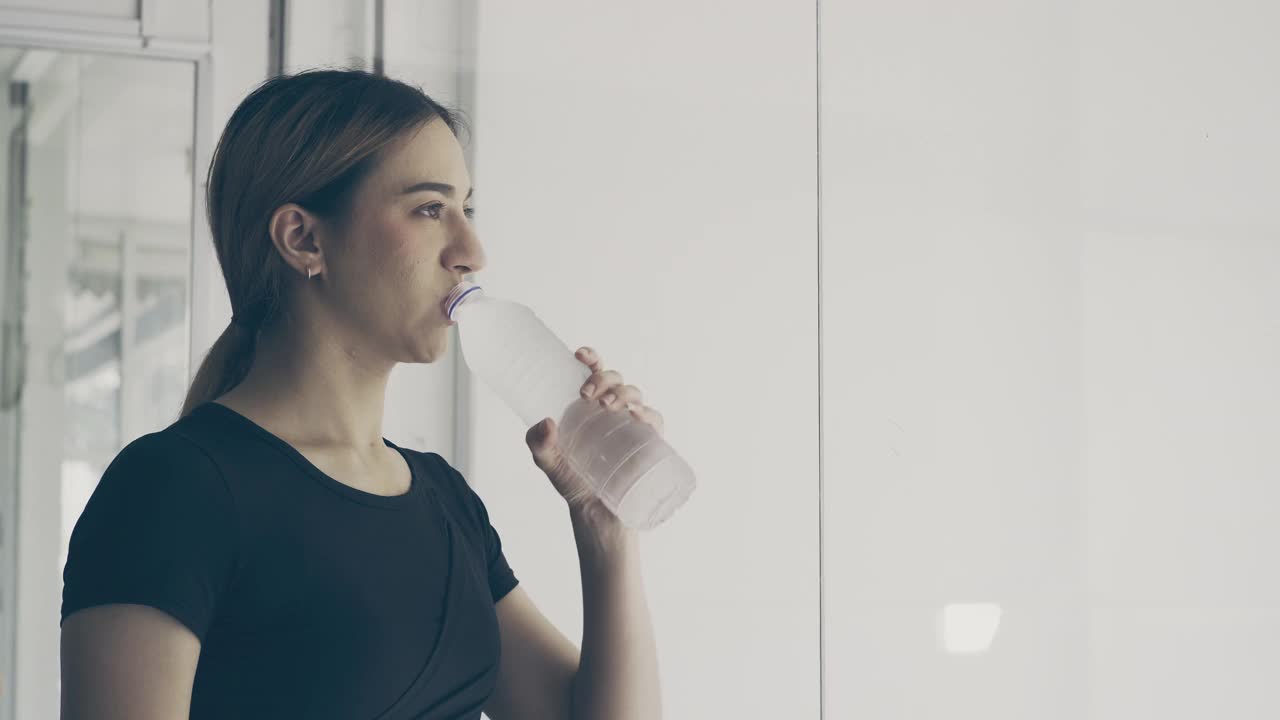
(459, 295)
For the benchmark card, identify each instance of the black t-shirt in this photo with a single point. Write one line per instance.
(312, 599)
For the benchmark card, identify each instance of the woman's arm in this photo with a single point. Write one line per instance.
(127, 662)
(543, 675)
(617, 675)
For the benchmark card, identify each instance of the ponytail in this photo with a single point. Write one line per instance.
(224, 366)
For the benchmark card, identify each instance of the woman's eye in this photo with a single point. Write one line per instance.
(433, 211)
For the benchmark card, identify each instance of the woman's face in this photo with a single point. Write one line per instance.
(409, 240)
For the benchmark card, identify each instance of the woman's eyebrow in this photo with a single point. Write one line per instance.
(445, 188)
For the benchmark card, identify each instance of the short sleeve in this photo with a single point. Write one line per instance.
(502, 579)
(160, 529)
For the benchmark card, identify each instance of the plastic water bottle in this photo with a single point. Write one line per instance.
(633, 471)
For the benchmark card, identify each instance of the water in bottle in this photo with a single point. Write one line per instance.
(631, 468)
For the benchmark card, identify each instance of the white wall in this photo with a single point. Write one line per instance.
(1180, 170)
(646, 181)
(1051, 262)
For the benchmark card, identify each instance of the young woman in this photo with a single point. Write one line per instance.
(270, 554)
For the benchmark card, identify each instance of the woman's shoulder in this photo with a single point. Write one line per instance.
(159, 529)
(166, 469)
(442, 475)
(165, 451)
(435, 469)
(185, 464)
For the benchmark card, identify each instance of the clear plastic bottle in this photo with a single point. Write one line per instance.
(632, 469)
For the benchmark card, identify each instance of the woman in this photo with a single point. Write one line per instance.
(270, 554)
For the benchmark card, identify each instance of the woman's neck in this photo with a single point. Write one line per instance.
(315, 389)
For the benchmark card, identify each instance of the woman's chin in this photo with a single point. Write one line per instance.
(434, 346)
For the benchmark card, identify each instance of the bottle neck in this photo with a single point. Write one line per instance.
(461, 294)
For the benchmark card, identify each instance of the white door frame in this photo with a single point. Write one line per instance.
(31, 664)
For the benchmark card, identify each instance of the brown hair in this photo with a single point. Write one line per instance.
(309, 138)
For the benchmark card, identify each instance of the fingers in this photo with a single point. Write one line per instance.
(620, 396)
(646, 414)
(607, 386)
(592, 359)
(600, 383)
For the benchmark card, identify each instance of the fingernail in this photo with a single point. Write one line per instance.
(608, 399)
(588, 391)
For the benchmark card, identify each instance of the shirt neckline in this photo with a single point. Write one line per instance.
(402, 500)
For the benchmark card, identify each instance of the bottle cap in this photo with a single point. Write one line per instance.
(459, 295)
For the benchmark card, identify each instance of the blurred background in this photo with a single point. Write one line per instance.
(966, 315)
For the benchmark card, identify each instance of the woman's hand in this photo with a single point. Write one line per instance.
(605, 386)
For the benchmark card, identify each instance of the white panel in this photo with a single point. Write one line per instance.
(329, 33)
(51, 168)
(951, 356)
(1180, 171)
(422, 46)
(176, 19)
(120, 9)
(646, 181)
(9, 430)
(1050, 258)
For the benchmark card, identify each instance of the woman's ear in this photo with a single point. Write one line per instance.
(293, 232)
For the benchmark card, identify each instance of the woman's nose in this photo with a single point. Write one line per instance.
(466, 255)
